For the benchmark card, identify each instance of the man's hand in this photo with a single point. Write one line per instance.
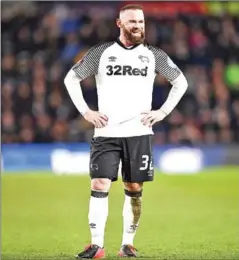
(96, 118)
(152, 117)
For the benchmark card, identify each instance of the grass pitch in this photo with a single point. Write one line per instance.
(184, 217)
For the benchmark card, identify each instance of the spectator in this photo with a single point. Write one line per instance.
(39, 47)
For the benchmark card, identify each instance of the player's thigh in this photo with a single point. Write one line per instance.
(104, 158)
(137, 163)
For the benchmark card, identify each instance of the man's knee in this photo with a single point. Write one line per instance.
(134, 187)
(100, 184)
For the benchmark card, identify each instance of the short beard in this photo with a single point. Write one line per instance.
(133, 39)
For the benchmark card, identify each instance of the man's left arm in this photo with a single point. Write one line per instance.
(165, 66)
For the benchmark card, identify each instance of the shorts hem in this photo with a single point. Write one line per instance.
(137, 181)
(104, 177)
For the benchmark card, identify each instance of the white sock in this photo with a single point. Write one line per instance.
(98, 213)
(131, 215)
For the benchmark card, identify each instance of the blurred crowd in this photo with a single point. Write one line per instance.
(41, 41)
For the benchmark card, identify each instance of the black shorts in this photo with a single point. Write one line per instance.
(135, 153)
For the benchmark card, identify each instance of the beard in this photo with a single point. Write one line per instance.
(131, 37)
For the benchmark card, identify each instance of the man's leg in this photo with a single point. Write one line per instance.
(97, 217)
(104, 163)
(131, 211)
(137, 168)
(98, 210)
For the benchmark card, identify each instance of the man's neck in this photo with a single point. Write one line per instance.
(125, 42)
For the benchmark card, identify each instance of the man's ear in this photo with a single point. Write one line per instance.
(118, 22)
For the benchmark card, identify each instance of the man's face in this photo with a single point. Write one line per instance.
(133, 26)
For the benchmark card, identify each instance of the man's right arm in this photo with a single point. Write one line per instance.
(84, 68)
(73, 87)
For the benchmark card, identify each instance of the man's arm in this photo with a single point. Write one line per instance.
(85, 68)
(72, 83)
(88, 66)
(165, 66)
(179, 87)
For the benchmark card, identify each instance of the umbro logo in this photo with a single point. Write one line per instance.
(143, 58)
(92, 225)
(112, 59)
(150, 173)
(133, 228)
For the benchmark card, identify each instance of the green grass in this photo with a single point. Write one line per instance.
(184, 217)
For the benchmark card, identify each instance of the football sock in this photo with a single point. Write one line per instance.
(131, 215)
(98, 213)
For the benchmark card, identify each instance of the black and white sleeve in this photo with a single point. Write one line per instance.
(164, 65)
(89, 64)
(86, 67)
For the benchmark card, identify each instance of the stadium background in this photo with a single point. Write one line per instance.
(42, 132)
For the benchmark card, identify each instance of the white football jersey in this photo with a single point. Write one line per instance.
(124, 80)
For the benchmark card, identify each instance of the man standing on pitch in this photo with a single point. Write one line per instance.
(124, 70)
